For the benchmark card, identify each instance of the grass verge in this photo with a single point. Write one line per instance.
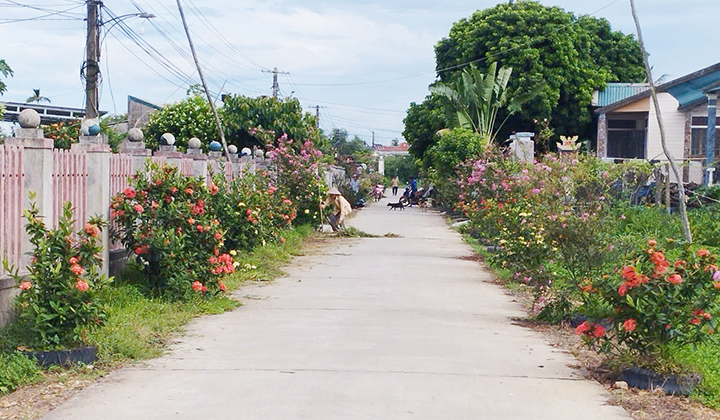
(139, 326)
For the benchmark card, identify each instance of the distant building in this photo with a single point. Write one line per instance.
(49, 114)
(627, 122)
(402, 149)
(139, 112)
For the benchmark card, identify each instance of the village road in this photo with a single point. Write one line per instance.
(374, 328)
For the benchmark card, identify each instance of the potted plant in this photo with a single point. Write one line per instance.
(57, 301)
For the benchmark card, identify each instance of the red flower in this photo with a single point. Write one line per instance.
(652, 243)
(73, 260)
(218, 236)
(138, 208)
(622, 290)
(173, 190)
(628, 272)
(197, 286)
(199, 228)
(142, 250)
(702, 252)
(76, 269)
(599, 331)
(582, 328)
(695, 321)
(25, 285)
(282, 239)
(154, 205)
(222, 286)
(716, 285)
(129, 193)
(191, 221)
(213, 260)
(189, 191)
(629, 325)
(92, 230)
(204, 289)
(81, 286)
(675, 279)
(680, 263)
(214, 189)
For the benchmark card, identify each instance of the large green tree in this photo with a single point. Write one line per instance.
(423, 121)
(571, 56)
(241, 113)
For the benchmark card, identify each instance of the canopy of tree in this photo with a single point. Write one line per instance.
(570, 56)
(6, 71)
(344, 147)
(239, 114)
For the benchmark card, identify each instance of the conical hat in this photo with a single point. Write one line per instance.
(334, 191)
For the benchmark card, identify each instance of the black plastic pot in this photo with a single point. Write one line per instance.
(84, 355)
(673, 384)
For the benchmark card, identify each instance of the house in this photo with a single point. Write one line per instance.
(628, 126)
(403, 149)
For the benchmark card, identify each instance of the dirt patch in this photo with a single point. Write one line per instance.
(476, 258)
(35, 401)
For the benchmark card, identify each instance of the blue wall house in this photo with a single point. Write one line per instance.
(628, 127)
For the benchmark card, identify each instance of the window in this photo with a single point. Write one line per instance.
(699, 132)
(626, 138)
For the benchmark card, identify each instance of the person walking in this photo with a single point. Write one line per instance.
(395, 182)
(342, 207)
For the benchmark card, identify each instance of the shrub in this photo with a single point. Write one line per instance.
(297, 176)
(16, 370)
(168, 221)
(57, 300)
(652, 301)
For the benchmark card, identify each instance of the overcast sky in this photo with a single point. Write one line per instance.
(363, 61)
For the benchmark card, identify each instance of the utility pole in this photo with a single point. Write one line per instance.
(317, 115)
(218, 124)
(92, 60)
(663, 139)
(373, 139)
(276, 86)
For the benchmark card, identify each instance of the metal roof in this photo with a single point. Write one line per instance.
(616, 92)
(688, 90)
(49, 114)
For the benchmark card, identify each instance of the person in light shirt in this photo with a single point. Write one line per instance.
(342, 207)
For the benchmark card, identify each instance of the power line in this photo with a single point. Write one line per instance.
(42, 17)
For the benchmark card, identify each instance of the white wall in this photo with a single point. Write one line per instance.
(674, 122)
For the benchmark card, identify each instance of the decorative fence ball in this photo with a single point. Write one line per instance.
(259, 153)
(29, 118)
(90, 127)
(232, 149)
(167, 139)
(246, 151)
(215, 146)
(135, 135)
(194, 143)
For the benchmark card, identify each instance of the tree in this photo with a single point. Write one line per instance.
(185, 119)
(339, 142)
(7, 72)
(476, 98)
(37, 98)
(423, 121)
(572, 56)
(403, 167)
(394, 142)
(241, 114)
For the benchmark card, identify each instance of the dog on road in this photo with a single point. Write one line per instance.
(395, 206)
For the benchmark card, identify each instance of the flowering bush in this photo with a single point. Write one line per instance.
(297, 176)
(253, 210)
(57, 300)
(652, 301)
(168, 221)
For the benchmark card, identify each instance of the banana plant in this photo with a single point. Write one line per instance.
(477, 98)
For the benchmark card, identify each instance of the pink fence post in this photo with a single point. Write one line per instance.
(70, 184)
(11, 198)
(121, 170)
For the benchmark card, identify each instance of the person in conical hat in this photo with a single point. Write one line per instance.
(342, 206)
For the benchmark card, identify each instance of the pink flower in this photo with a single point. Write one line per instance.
(25, 285)
(129, 193)
(76, 269)
(629, 325)
(599, 331)
(138, 208)
(197, 286)
(716, 276)
(582, 328)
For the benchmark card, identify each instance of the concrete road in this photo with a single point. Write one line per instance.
(377, 328)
